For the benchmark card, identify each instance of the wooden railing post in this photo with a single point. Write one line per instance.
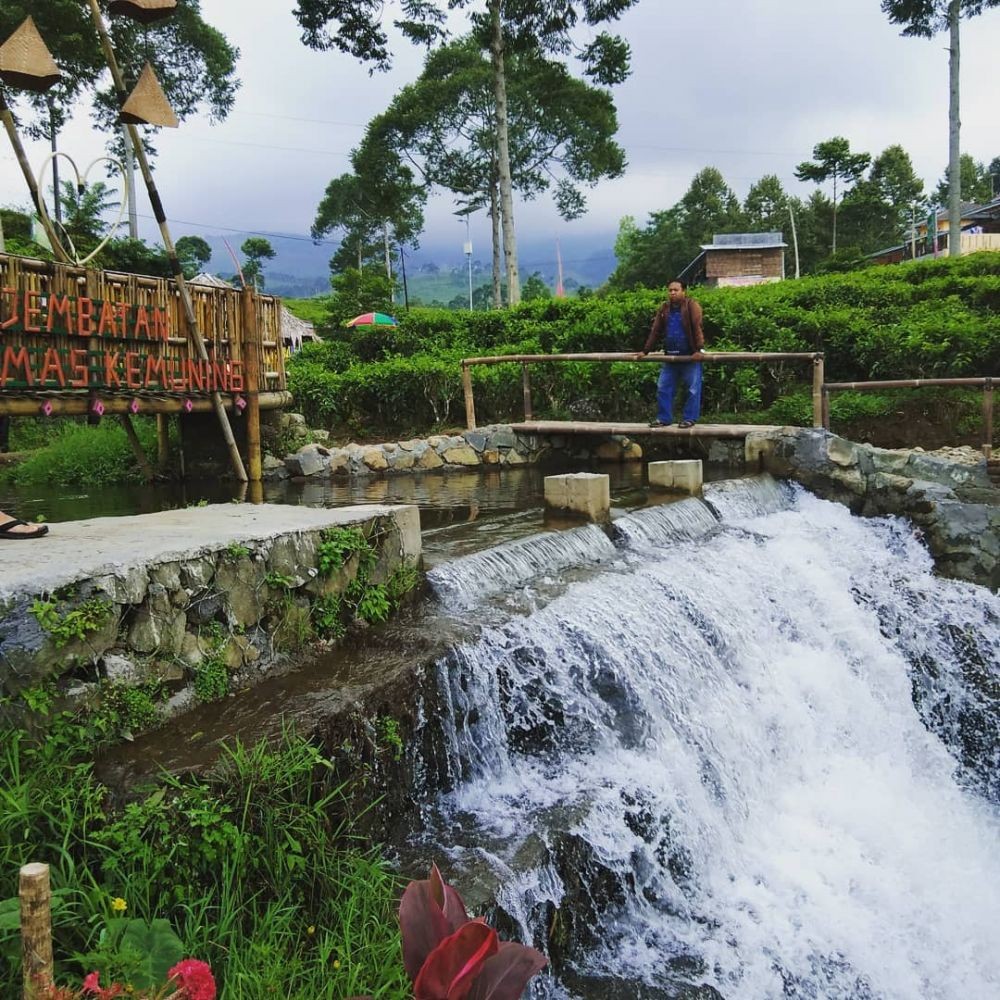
(526, 388)
(470, 403)
(826, 409)
(162, 441)
(817, 394)
(988, 418)
(251, 375)
(36, 928)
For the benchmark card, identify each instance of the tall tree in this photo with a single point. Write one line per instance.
(709, 206)
(503, 27)
(256, 249)
(881, 208)
(766, 206)
(833, 159)
(561, 132)
(195, 63)
(194, 253)
(977, 181)
(924, 19)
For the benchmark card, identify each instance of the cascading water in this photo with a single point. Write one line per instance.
(758, 761)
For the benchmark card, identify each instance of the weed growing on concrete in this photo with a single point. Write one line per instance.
(402, 581)
(279, 581)
(327, 616)
(234, 551)
(339, 544)
(76, 624)
(388, 730)
(211, 676)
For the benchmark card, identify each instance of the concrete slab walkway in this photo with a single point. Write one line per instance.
(101, 546)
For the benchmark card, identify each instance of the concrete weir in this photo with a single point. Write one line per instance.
(159, 597)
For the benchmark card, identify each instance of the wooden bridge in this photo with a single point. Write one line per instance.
(821, 391)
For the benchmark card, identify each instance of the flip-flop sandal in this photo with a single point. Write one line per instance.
(685, 424)
(6, 531)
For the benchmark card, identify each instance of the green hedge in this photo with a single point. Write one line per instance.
(918, 320)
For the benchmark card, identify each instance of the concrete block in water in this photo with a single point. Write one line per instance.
(584, 493)
(683, 475)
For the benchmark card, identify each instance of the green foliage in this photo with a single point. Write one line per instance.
(928, 318)
(371, 601)
(234, 551)
(256, 249)
(211, 675)
(131, 710)
(388, 731)
(328, 617)
(73, 624)
(253, 866)
(279, 581)
(80, 455)
(402, 581)
(338, 545)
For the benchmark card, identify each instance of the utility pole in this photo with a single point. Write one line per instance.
(795, 238)
(468, 256)
(402, 270)
(133, 216)
(53, 143)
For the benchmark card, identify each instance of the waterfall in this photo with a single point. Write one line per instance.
(471, 578)
(752, 764)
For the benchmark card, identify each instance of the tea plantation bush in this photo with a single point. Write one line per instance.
(917, 320)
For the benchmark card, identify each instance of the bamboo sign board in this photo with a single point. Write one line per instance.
(70, 330)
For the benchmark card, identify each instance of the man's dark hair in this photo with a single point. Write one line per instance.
(678, 281)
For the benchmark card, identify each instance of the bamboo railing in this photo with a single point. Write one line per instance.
(986, 383)
(812, 358)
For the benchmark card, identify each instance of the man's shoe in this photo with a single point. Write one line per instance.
(660, 423)
(685, 424)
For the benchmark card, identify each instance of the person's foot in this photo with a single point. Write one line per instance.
(660, 423)
(15, 528)
(685, 424)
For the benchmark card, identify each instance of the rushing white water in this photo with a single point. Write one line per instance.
(721, 740)
(471, 578)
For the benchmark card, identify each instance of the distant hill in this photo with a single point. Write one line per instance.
(436, 271)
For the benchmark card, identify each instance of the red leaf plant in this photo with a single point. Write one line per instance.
(450, 957)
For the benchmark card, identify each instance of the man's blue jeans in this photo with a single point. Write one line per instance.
(688, 373)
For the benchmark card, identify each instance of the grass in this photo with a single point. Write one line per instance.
(75, 454)
(254, 865)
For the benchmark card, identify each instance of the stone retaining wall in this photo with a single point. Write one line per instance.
(486, 446)
(948, 494)
(126, 601)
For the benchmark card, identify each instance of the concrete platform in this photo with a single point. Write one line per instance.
(112, 546)
(639, 430)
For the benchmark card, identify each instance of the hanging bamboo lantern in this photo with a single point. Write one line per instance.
(145, 11)
(26, 62)
(147, 104)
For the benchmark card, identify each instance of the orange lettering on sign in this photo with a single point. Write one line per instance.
(236, 376)
(156, 367)
(196, 375)
(107, 321)
(31, 312)
(14, 359)
(13, 317)
(141, 329)
(52, 364)
(133, 370)
(84, 317)
(78, 366)
(111, 377)
(60, 305)
(161, 323)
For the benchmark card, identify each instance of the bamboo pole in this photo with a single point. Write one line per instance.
(470, 403)
(817, 391)
(653, 358)
(35, 895)
(251, 369)
(137, 449)
(526, 390)
(912, 383)
(988, 419)
(168, 243)
(826, 409)
(162, 441)
(22, 160)
(78, 406)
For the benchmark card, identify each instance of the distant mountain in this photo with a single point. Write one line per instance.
(435, 271)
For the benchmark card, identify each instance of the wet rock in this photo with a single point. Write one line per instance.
(273, 468)
(167, 575)
(310, 460)
(196, 574)
(430, 459)
(463, 455)
(120, 669)
(374, 459)
(204, 608)
(502, 438)
(339, 461)
(514, 458)
(402, 460)
(476, 440)
(241, 584)
(157, 626)
(127, 587)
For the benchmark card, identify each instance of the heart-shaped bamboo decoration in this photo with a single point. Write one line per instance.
(25, 60)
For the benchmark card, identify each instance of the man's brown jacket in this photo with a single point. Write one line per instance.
(690, 319)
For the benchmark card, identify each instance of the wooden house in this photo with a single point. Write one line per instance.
(738, 259)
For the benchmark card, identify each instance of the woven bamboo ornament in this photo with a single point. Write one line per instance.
(145, 11)
(147, 104)
(26, 62)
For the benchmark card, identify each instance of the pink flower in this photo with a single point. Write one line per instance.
(91, 984)
(194, 979)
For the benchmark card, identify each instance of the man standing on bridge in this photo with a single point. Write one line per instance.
(678, 324)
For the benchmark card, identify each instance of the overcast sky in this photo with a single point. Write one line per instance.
(748, 86)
